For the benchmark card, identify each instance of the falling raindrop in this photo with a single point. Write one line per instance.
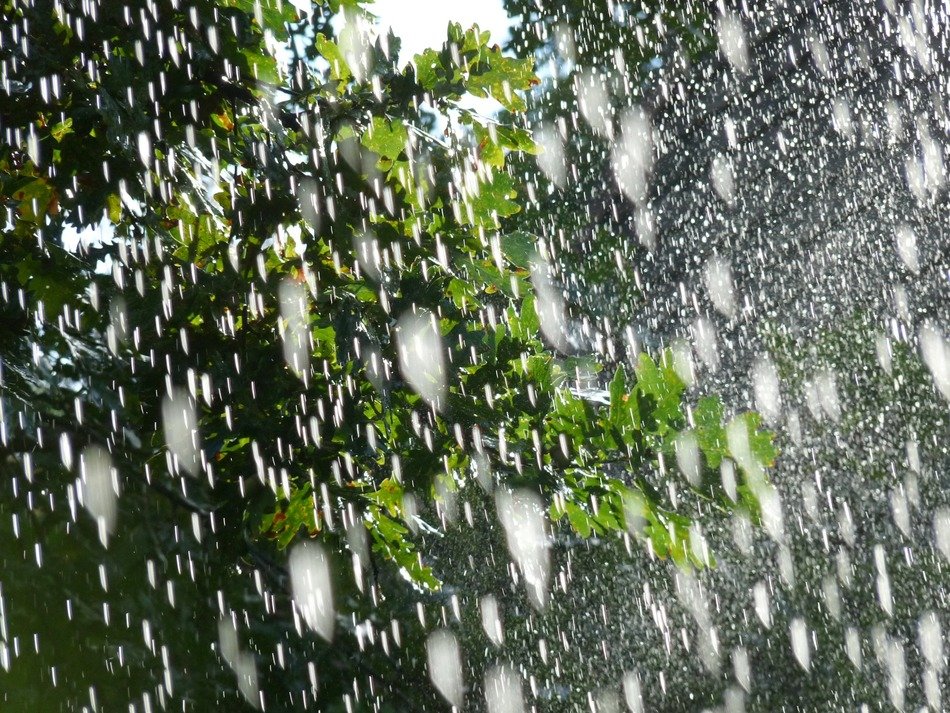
(180, 422)
(503, 690)
(420, 356)
(522, 515)
(98, 486)
(445, 666)
(310, 578)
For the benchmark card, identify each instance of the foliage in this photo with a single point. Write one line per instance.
(254, 244)
(599, 60)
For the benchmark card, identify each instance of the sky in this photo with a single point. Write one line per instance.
(422, 23)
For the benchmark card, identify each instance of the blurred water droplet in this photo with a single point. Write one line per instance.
(800, 645)
(768, 397)
(180, 422)
(296, 334)
(522, 514)
(503, 690)
(632, 156)
(633, 692)
(310, 581)
(445, 666)
(688, 458)
(421, 358)
(936, 357)
(723, 177)
(491, 619)
(594, 102)
(732, 41)
(720, 286)
(552, 311)
(907, 248)
(99, 488)
(551, 159)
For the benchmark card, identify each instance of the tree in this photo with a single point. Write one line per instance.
(857, 573)
(295, 317)
(602, 64)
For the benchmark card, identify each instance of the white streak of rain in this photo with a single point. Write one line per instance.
(445, 666)
(180, 422)
(522, 514)
(503, 690)
(310, 581)
(98, 486)
(421, 356)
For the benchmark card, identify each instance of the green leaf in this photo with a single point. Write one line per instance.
(386, 137)
(489, 150)
(519, 248)
(428, 64)
(330, 51)
(283, 524)
(62, 128)
(35, 198)
(391, 539)
(271, 15)
(710, 432)
(500, 78)
(324, 340)
(582, 523)
(516, 139)
(664, 386)
(530, 321)
(114, 207)
(492, 202)
(539, 370)
(263, 67)
(620, 413)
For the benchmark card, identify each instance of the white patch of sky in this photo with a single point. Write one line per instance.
(421, 24)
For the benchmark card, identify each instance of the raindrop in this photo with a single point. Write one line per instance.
(551, 159)
(942, 531)
(768, 397)
(633, 692)
(723, 177)
(760, 596)
(741, 668)
(295, 322)
(445, 666)
(688, 457)
(241, 662)
(704, 340)
(503, 690)
(522, 514)
(907, 248)
(491, 619)
(720, 286)
(550, 306)
(633, 154)
(931, 640)
(312, 591)
(800, 646)
(852, 645)
(936, 357)
(594, 102)
(732, 41)
(421, 357)
(98, 486)
(180, 421)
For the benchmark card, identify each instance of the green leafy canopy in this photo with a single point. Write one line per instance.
(264, 235)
